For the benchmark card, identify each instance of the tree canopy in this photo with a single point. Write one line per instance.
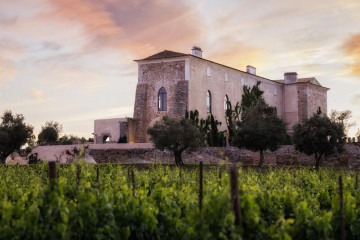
(176, 135)
(50, 133)
(208, 128)
(342, 117)
(260, 129)
(250, 98)
(14, 133)
(254, 124)
(319, 135)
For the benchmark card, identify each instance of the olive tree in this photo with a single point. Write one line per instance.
(50, 133)
(343, 117)
(175, 135)
(319, 136)
(260, 129)
(14, 133)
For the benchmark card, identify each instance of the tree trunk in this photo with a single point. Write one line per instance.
(261, 158)
(317, 161)
(178, 158)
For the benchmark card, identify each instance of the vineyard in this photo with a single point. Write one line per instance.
(166, 202)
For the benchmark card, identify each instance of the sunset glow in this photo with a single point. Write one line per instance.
(71, 61)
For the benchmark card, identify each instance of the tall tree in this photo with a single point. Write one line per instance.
(50, 133)
(319, 136)
(260, 129)
(342, 117)
(251, 96)
(176, 135)
(14, 133)
(208, 128)
(232, 117)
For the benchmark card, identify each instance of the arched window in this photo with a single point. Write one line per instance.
(162, 101)
(208, 102)
(226, 103)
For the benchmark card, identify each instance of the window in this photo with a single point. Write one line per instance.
(208, 102)
(208, 72)
(162, 99)
(226, 77)
(226, 103)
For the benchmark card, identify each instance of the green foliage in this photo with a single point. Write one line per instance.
(215, 138)
(260, 130)
(175, 135)
(342, 117)
(70, 139)
(319, 136)
(232, 117)
(14, 133)
(251, 96)
(50, 133)
(277, 203)
(208, 128)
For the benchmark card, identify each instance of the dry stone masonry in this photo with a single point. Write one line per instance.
(187, 79)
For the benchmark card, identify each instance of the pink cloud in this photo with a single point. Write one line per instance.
(352, 49)
(142, 27)
(235, 54)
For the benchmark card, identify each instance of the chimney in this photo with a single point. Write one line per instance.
(251, 70)
(290, 77)
(196, 51)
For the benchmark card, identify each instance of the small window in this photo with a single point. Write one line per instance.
(208, 102)
(226, 103)
(208, 72)
(162, 101)
(226, 77)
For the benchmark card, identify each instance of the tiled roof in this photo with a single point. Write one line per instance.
(165, 54)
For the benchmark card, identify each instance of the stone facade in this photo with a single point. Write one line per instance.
(110, 130)
(153, 76)
(311, 99)
(188, 78)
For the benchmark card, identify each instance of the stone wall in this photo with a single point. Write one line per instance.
(152, 77)
(311, 98)
(181, 98)
(302, 103)
(140, 112)
(285, 155)
(221, 80)
(317, 97)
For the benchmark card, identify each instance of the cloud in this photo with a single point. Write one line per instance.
(235, 54)
(7, 71)
(92, 14)
(351, 48)
(141, 26)
(356, 100)
(7, 21)
(76, 77)
(37, 95)
(51, 45)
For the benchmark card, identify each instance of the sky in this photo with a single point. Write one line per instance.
(71, 61)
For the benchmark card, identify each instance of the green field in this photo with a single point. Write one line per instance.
(162, 202)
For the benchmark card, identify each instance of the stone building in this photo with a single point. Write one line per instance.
(110, 130)
(169, 83)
